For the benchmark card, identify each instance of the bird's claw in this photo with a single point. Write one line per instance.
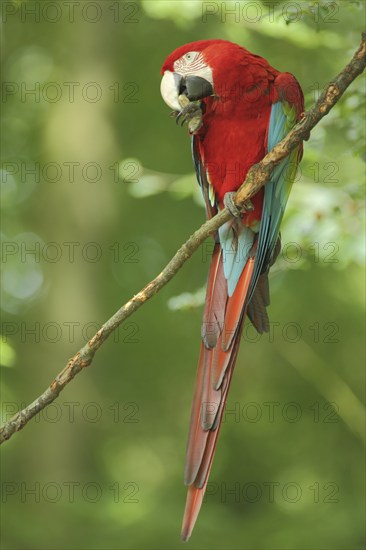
(233, 208)
(191, 114)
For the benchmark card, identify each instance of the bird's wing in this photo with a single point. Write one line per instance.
(285, 112)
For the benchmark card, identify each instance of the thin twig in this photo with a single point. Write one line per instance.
(257, 176)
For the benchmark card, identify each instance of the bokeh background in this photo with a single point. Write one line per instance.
(98, 192)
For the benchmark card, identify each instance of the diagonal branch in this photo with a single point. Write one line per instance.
(257, 176)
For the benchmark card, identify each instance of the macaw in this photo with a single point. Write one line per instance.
(237, 108)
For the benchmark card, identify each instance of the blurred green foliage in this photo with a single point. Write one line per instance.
(84, 135)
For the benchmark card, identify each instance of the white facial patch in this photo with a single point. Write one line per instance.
(169, 90)
(193, 63)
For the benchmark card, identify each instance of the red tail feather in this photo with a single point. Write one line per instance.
(221, 331)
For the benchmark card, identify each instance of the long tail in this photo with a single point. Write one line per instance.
(221, 331)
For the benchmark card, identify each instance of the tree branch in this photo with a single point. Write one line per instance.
(257, 176)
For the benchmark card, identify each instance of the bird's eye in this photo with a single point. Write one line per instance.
(189, 56)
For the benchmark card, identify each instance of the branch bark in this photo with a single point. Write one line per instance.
(257, 176)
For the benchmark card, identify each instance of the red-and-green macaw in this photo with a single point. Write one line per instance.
(244, 107)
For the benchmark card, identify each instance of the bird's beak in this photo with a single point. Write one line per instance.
(174, 84)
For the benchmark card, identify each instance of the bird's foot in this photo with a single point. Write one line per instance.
(191, 114)
(233, 209)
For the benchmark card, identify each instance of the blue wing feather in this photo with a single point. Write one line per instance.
(236, 242)
(277, 190)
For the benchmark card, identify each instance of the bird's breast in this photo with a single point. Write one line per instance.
(229, 147)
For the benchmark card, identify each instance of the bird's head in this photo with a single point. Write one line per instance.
(199, 70)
